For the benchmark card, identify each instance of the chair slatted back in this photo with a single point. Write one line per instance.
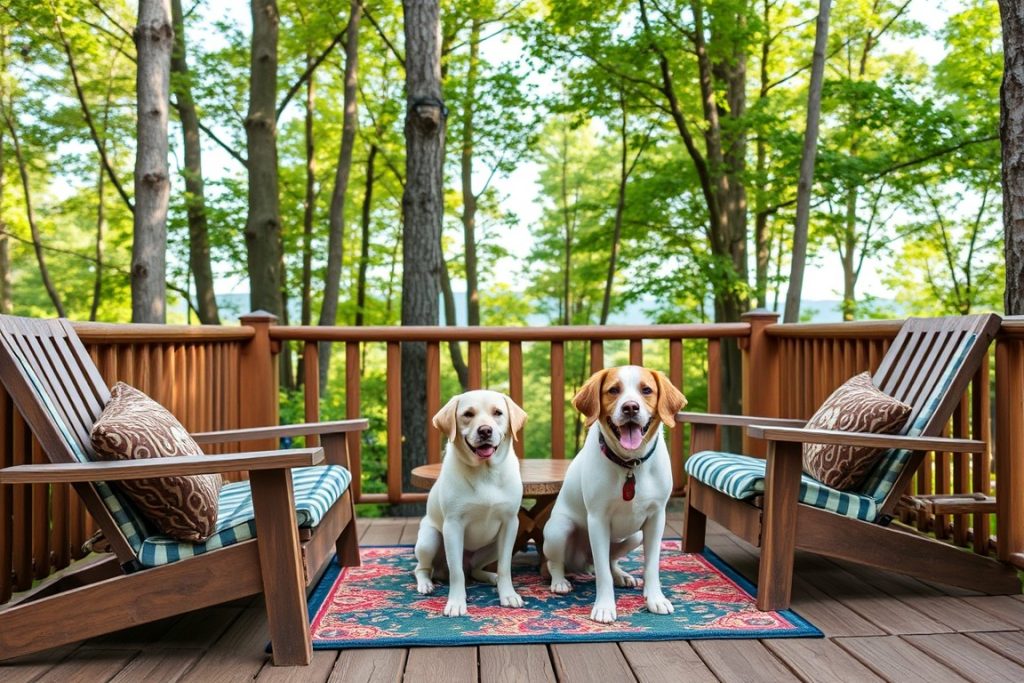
(929, 367)
(56, 387)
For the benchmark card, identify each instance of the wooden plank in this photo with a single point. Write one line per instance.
(394, 426)
(409, 532)
(636, 352)
(819, 660)
(670, 661)
(352, 409)
(311, 387)
(382, 532)
(385, 665)
(596, 355)
(88, 665)
(675, 375)
(29, 668)
(475, 372)
(201, 628)
(239, 654)
(515, 664)
(1003, 607)
(448, 664)
(589, 662)
(970, 658)
(319, 668)
(157, 664)
(742, 661)
(1009, 644)
(894, 659)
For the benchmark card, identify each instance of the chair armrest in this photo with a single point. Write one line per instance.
(307, 429)
(115, 470)
(735, 420)
(913, 443)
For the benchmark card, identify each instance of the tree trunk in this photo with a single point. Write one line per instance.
(308, 214)
(1011, 134)
(33, 227)
(154, 40)
(422, 209)
(263, 223)
(97, 282)
(364, 242)
(195, 193)
(806, 181)
(336, 221)
(5, 255)
(468, 197)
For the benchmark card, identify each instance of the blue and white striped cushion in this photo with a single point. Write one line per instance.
(741, 477)
(316, 490)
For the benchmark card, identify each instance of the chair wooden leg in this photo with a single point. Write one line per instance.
(694, 525)
(347, 545)
(778, 536)
(284, 585)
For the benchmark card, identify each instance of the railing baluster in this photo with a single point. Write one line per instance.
(636, 351)
(961, 472)
(22, 502)
(434, 398)
(6, 509)
(515, 384)
(1009, 447)
(475, 380)
(714, 376)
(557, 400)
(311, 387)
(596, 355)
(354, 444)
(675, 375)
(394, 396)
(982, 462)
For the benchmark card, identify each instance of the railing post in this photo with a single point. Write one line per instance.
(760, 373)
(1009, 439)
(257, 379)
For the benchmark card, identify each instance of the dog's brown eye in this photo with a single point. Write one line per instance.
(469, 413)
(614, 391)
(498, 413)
(647, 391)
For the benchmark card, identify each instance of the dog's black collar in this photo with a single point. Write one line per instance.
(628, 486)
(622, 462)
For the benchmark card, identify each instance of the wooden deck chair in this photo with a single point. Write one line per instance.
(275, 537)
(770, 504)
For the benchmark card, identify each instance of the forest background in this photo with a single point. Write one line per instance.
(601, 160)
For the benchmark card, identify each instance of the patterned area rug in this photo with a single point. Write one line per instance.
(377, 605)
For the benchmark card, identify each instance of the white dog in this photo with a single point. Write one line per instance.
(616, 488)
(474, 505)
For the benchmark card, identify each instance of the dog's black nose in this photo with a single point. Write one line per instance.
(630, 408)
(484, 432)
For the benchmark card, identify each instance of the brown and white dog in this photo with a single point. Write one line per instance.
(473, 508)
(616, 488)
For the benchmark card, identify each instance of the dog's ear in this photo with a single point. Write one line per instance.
(447, 418)
(670, 399)
(588, 399)
(516, 416)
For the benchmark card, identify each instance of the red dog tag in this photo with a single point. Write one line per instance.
(629, 488)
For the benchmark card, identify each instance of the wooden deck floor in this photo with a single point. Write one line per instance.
(878, 626)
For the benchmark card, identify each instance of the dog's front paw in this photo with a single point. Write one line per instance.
(562, 586)
(511, 600)
(659, 604)
(425, 586)
(624, 579)
(604, 614)
(455, 608)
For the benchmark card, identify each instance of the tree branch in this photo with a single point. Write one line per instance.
(309, 71)
(380, 32)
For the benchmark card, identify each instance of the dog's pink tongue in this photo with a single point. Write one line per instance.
(630, 435)
(485, 451)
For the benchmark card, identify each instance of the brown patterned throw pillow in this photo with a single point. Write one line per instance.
(856, 406)
(134, 426)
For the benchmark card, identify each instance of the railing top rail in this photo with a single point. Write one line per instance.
(1013, 326)
(854, 329)
(137, 333)
(506, 334)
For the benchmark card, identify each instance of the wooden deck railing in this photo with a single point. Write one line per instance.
(512, 339)
(226, 377)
